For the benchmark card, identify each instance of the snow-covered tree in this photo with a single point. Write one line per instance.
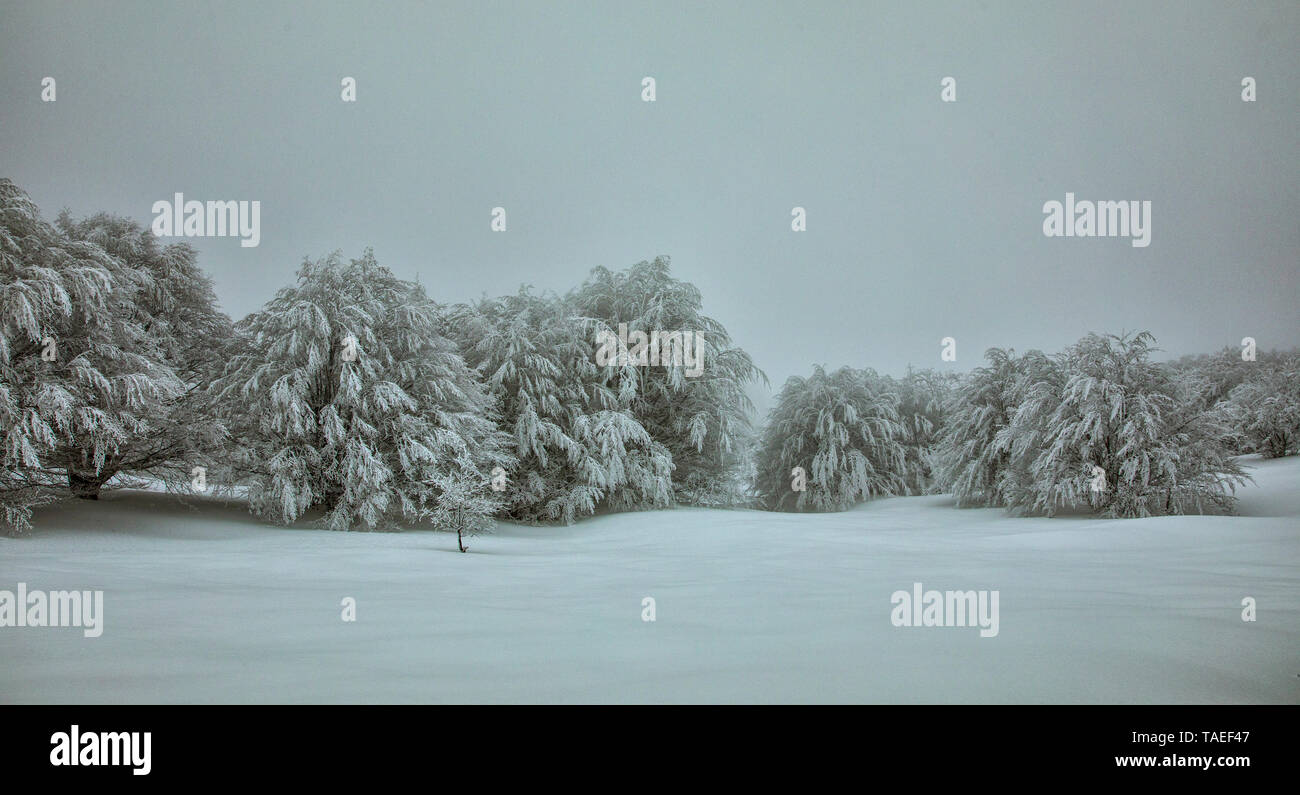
(923, 400)
(576, 442)
(972, 460)
(83, 381)
(1207, 379)
(831, 441)
(1034, 392)
(463, 507)
(345, 394)
(54, 294)
(704, 420)
(1110, 436)
(167, 326)
(1266, 407)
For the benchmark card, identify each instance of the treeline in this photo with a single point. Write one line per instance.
(1098, 426)
(355, 395)
(352, 392)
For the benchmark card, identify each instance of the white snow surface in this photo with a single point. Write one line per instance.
(203, 603)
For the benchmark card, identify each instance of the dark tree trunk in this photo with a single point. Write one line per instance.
(330, 500)
(85, 486)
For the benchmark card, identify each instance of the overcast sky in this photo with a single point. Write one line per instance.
(924, 217)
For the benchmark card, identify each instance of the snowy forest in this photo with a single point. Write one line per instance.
(355, 396)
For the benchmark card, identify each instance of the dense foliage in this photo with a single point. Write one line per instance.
(347, 397)
(354, 396)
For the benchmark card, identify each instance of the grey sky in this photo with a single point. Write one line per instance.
(924, 217)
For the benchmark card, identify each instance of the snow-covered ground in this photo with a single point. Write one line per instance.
(203, 604)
